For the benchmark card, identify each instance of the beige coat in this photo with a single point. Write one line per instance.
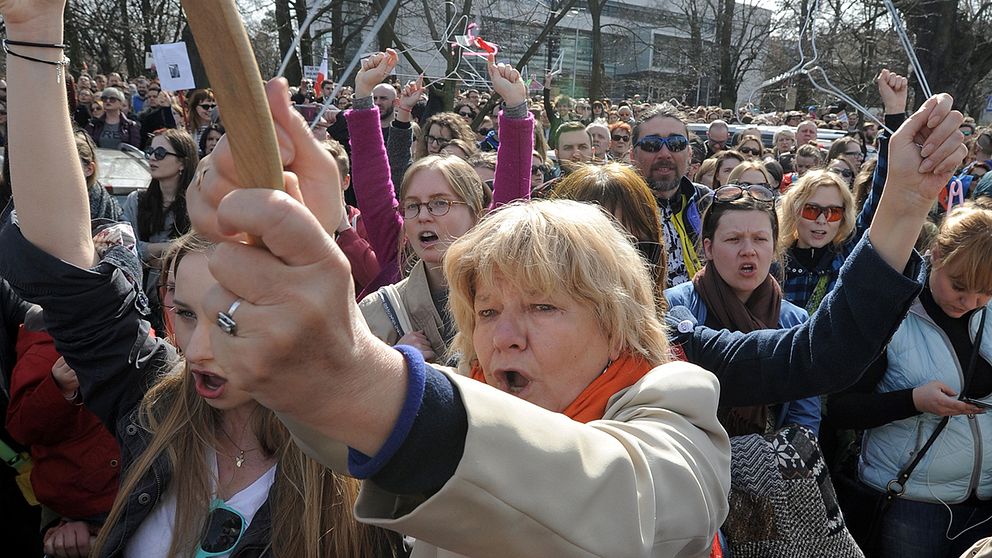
(416, 296)
(648, 480)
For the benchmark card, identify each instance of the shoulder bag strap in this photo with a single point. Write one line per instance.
(395, 310)
(896, 486)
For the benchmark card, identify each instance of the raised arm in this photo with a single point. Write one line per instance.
(516, 136)
(370, 176)
(45, 174)
(893, 88)
(875, 289)
(401, 131)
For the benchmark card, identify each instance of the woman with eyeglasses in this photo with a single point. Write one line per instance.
(199, 112)
(750, 147)
(439, 200)
(849, 149)
(158, 214)
(440, 129)
(620, 142)
(735, 290)
(842, 167)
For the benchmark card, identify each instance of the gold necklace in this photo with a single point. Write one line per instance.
(240, 459)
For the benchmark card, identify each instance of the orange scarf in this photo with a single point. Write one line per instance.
(590, 405)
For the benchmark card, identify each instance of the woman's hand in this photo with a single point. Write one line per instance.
(418, 340)
(919, 174)
(374, 71)
(409, 97)
(507, 82)
(894, 90)
(69, 540)
(312, 178)
(937, 398)
(65, 378)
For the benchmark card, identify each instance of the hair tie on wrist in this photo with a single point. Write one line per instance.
(37, 45)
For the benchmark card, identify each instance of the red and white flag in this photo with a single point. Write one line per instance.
(321, 75)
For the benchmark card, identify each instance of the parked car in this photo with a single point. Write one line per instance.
(122, 171)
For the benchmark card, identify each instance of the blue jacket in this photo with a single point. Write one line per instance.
(804, 412)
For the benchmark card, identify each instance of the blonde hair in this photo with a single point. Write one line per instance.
(310, 505)
(755, 166)
(799, 195)
(963, 246)
(558, 246)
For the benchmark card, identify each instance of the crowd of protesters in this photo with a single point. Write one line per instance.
(651, 304)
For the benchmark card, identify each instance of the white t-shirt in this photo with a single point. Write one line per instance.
(154, 535)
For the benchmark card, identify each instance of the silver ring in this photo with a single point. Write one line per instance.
(225, 320)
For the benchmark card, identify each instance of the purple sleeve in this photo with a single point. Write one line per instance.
(513, 158)
(374, 191)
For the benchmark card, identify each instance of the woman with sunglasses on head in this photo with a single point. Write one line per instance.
(158, 214)
(199, 112)
(735, 290)
(819, 222)
(206, 470)
(440, 198)
(619, 142)
(849, 149)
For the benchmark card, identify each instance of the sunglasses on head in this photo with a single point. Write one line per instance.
(653, 143)
(159, 154)
(731, 192)
(846, 173)
(812, 212)
(225, 527)
(624, 139)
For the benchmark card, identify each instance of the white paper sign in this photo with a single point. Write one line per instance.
(310, 72)
(173, 67)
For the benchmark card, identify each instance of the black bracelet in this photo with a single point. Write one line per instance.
(38, 45)
(59, 64)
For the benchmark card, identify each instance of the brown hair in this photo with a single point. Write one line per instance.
(621, 191)
(964, 245)
(453, 122)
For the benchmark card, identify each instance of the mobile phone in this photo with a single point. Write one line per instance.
(977, 403)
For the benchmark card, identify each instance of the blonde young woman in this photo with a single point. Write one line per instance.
(206, 471)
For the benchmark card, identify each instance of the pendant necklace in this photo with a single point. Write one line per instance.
(240, 459)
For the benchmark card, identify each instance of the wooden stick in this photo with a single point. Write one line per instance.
(239, 89)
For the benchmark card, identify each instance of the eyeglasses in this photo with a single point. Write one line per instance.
(441, 142)
(159, 154)
(846, 173)
(731, 192)
(208, 106)
(812, 212)
(437, 207)
(624, 139)
(225, 527)
(653, 144)
(538, 169)
(750, 150)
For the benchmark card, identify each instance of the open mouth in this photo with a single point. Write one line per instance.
(747, 269)
(428, 237)
(515, 381)
(208, 385)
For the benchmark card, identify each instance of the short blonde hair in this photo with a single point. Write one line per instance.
(963, 246)
(558, 246)
(799, 195)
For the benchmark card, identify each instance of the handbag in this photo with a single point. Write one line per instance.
(782, 503)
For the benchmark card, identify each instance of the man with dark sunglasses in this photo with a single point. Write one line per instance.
(114, 128)
(662, 155)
